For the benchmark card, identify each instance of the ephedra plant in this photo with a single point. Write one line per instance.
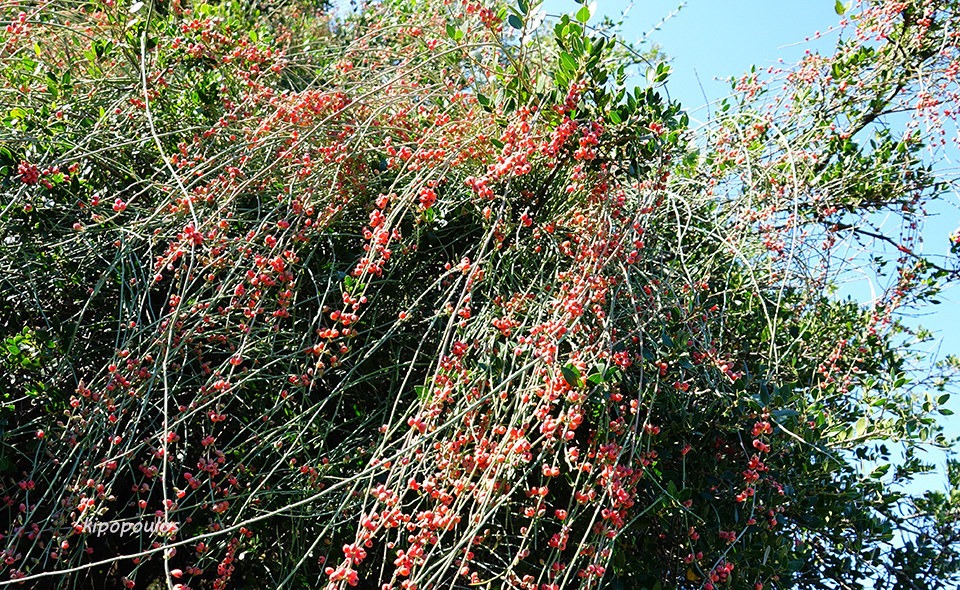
(425, 296)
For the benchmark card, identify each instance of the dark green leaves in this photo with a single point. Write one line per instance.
(571, 375)
(485, 103)
(603, 374)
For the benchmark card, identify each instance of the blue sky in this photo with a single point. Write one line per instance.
(707, 39)
(710, 40)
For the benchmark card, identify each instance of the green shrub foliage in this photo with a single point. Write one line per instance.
(425, 296)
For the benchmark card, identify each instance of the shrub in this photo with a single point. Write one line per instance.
(425, 296)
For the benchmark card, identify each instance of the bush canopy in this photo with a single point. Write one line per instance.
(425, 295)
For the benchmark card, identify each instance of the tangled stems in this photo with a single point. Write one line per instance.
(424, 297)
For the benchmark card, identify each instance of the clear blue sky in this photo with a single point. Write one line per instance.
(710, 40)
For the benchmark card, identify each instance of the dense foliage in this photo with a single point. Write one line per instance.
(425, 296)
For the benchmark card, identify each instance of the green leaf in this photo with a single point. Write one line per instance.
(598, 45)
(567, 62)
(571, 375)
(651, 75)
(662, 73)
(583, 15)
(595, 378)
(943, 399)
(515, 21)
(667, 340)
(454, 33)
(523, 6)
(562, 79)
(840, 8)
(541, 84)
(485, 103)
(860, 426)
